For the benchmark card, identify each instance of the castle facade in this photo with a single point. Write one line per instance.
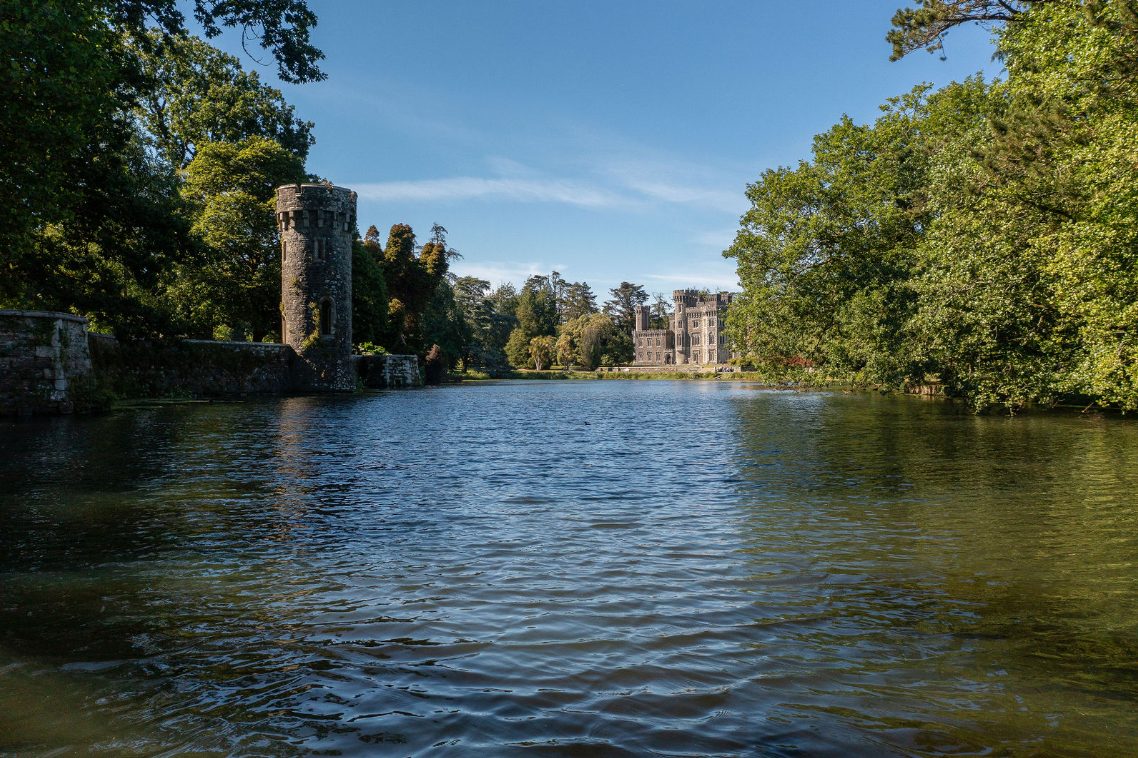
(694, 334)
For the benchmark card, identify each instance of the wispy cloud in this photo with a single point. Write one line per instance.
(716, 239)
(471, 187)
(680, 194)
(497, 272)
(717, 280)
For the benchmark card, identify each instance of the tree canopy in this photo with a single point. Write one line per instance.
(984, 235)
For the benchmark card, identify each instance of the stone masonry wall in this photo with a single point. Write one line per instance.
(45, 366)
(388, 371)
(191, 368)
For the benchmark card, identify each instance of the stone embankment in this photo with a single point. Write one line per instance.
(50, 364)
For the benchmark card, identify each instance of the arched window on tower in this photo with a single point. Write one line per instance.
(327, 314)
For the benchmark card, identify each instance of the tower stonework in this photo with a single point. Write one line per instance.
(316, 223)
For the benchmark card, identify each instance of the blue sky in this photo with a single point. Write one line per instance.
(607, 139)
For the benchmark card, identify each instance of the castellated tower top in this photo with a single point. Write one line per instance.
(316, 224)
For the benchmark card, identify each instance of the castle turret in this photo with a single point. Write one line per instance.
(643, 312)
(316, 223)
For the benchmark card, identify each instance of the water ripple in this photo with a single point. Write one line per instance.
(594, 568)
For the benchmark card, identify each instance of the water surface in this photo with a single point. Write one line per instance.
(580, 568)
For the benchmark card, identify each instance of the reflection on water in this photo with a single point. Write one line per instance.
(573, 569)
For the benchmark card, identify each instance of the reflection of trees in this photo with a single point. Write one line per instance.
(1002, 553)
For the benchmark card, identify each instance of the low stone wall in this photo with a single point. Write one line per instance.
(45, 366)
(49, 363)
(388, 371)
(191, 368)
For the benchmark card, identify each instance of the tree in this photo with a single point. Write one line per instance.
(565, 350)
(824, 253)
(444, 325)
(926, 25)
(541, 351)
(621, 306)
(517, 348)
(578, 300)
(282, 27)
(229, 190)
(369, 290)
(471, 296)
(503, 303)
(661, 311)
(95, 220)
(198, 94)
(591, 340)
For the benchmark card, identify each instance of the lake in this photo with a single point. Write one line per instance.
(569, 568)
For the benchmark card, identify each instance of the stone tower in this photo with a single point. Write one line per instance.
(643, 315)
(316, 223)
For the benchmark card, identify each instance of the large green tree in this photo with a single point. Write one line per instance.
(94, 218)
(536, 315)
(196, 94)
(369, 289)
(234, 287)
(622, 303)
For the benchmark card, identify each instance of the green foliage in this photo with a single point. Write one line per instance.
(592, 340)
(369, 291)
(370, 348)
(412, 283)
(541, 351)
(985, 234)
(621, 306)
(926, 25)
(197, 94)
(537, 307)
(96, 222)
(229, 190)
(445, 326)
(282, 27)
(471, 297)
(577, 300)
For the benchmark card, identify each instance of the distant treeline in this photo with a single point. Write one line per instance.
(409, 303)
(984, 234)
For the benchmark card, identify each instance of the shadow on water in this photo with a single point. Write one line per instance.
(569, 568)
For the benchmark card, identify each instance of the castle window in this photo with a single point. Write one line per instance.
(326, 316)
(318, 247)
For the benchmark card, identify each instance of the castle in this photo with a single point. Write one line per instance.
(694, 334)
